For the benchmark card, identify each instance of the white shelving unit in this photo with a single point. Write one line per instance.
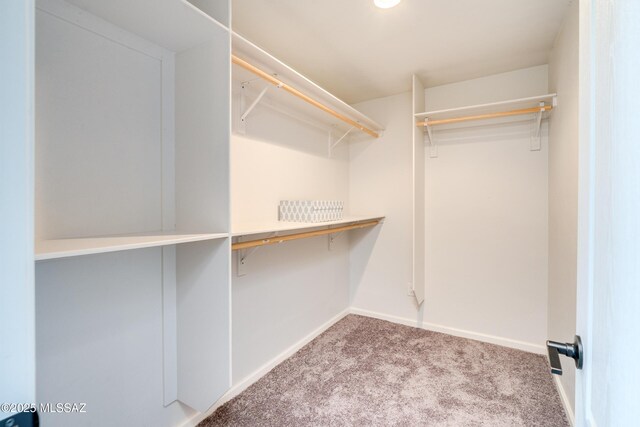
(254, 88)
(132, 142)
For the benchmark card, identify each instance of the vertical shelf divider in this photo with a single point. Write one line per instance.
(418, 151)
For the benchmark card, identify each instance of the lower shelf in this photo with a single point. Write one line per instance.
(246, 229)
(61, 248)
(303, 235)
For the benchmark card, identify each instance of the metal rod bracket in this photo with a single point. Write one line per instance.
(433, 147)
(253, 105)
(536, 131)
(331, 239)
(334, 144)
(243, 256)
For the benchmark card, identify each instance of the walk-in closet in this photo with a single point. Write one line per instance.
(297, 213)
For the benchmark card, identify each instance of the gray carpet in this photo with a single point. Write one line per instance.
(368, 372)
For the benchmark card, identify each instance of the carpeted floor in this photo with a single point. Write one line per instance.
(368, 372)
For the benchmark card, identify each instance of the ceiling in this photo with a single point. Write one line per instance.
(359, 52)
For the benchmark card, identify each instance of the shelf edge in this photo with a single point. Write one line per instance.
(490, 104)
(56, 254)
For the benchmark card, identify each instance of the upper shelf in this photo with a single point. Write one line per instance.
(276, 71)
(513, 107)
(175, 25)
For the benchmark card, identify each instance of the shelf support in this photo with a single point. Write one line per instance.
(332, 144)
(246, 111)
(255, 102)
(331, 239)
(433, 147)
(537, 125)
(244, 254)
(241, 259)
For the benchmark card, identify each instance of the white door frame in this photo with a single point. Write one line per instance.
(585, 210)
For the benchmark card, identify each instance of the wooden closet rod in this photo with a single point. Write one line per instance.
(485, 116)
(280, 239)
(244, 64)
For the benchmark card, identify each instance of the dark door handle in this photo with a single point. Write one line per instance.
(572, 350)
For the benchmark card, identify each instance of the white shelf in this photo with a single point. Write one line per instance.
(519, 103)
(266, 62)
(175, 25)
(247, 229)
(62, 248)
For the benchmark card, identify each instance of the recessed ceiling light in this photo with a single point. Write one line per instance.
(386, 4)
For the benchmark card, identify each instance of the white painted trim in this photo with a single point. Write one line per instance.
(491, 339)
(565, 400)
(377, 315)
(243, 384)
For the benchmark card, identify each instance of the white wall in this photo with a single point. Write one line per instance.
(17, 300)
(291, 289)
(563, 193)
(265, 173)
(380, 181)
(486, 218)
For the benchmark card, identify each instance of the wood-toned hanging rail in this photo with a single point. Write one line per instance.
(268, 77)
(485, 116)
(296, 236)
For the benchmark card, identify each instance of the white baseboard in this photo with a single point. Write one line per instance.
(565, 400)
(377, 315)
(492, 339)
(264, 369)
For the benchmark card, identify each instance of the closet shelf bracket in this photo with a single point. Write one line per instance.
(333, 144)
(254, 104)
(433, 147)
(331, 239)
(537, 126)
(244, 254)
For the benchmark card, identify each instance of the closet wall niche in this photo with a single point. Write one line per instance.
(291, 133)
(132, 157)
